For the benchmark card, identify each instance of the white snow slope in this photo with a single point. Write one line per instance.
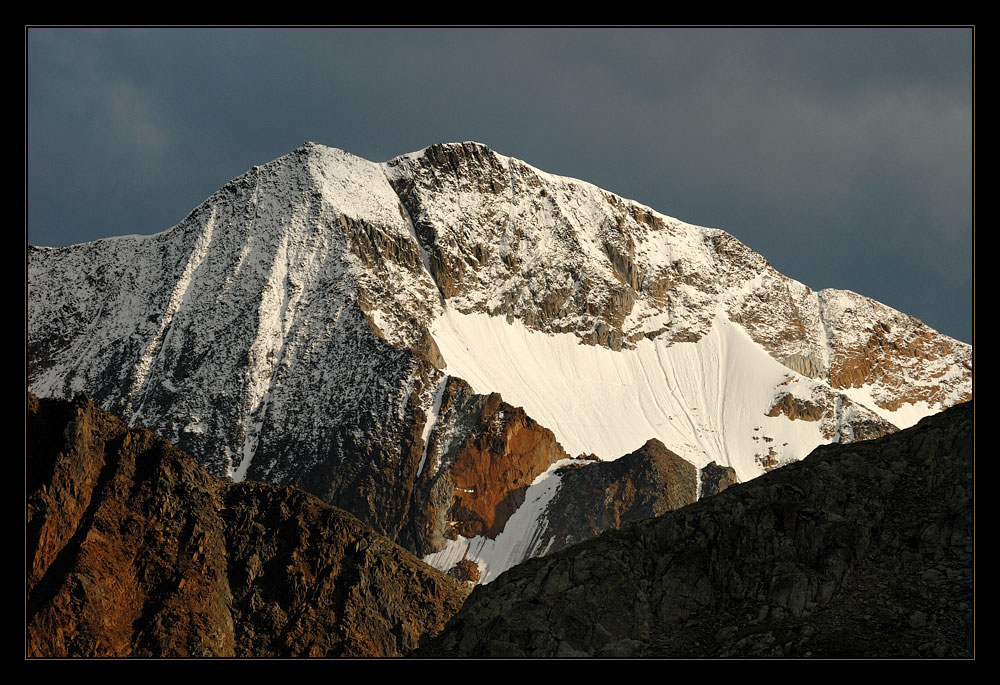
(707, 400)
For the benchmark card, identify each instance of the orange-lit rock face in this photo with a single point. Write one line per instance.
(134, 550)
(495, 465)
(116, 566)
(795, 408)
(887, 359)
(466, 570)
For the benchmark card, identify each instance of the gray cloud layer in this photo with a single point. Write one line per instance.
(843, 156)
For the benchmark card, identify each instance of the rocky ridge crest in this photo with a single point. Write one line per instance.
(861, 550)
(134, 550)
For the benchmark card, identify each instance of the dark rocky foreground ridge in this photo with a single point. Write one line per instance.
(134, 550)
(860, 550)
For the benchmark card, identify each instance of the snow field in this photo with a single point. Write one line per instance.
(706, 401)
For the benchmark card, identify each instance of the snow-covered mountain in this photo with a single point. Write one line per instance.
(426, 341)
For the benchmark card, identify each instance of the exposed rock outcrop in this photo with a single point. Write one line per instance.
(481, 457)
(797, 409)
(840, 418)
(896, 356)
(715, 479)
(466, 570)
(596, 497)
(861, 550)
(134, 550)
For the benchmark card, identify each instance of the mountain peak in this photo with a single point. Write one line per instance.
(309, 322)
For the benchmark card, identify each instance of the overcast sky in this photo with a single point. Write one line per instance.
(843, 156)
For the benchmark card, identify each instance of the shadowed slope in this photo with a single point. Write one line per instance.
(862, 550)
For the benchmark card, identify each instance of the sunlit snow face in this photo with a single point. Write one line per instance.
(703, 399)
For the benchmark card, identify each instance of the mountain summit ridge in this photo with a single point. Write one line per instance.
(321, 321)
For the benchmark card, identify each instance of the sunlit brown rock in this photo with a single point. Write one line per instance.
(134, 550)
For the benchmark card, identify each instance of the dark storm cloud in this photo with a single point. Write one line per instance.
(842, 155)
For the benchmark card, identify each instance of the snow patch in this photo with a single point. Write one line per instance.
(906, 416)
(432, 418)
(177, 298)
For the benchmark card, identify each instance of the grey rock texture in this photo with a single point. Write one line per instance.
(599, 496)
(861, 550)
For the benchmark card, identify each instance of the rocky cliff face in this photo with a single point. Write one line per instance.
(481, 456)
(598, 496)
(309, 322)
(863, 550)
(715, 479)
(134, 550)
